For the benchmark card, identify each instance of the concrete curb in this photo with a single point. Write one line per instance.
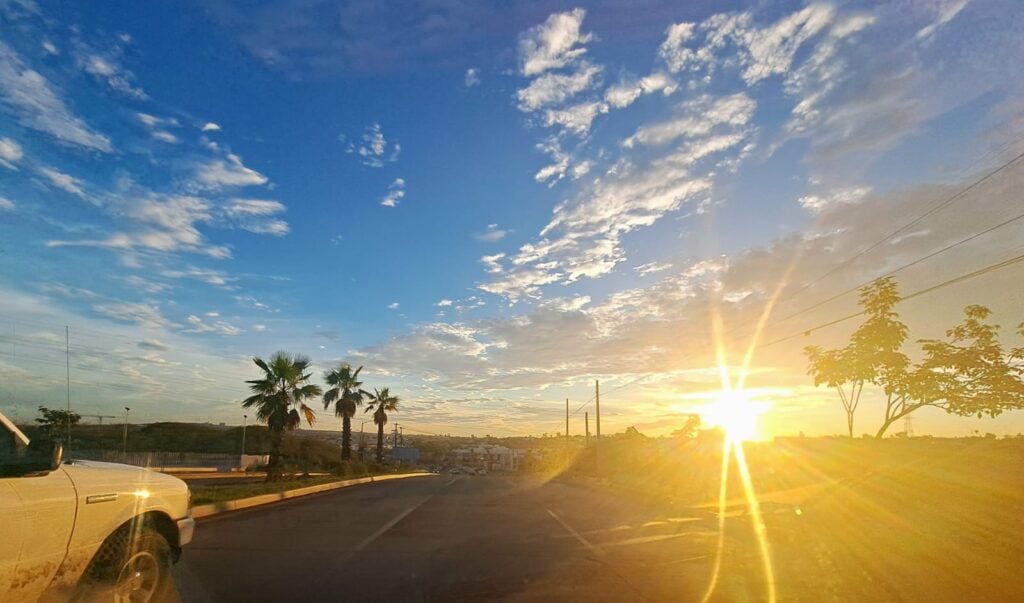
(226, 506)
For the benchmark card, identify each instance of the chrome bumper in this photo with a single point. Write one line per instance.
(186, 528)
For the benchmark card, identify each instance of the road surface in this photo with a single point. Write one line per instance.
(449, 538)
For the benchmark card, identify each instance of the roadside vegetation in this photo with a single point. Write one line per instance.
(280, 398)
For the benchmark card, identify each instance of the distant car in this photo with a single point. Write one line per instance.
(85, 529)
(454, 471)
(481, 471)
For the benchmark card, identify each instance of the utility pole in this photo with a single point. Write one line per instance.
(67, 363)
(125, 439)
(567, 418)
(586, 419)
(245, 421)
(597, 406)
(401, 435)
(362, 443)
(394, 438)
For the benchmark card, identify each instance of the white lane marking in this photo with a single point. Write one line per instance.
(593, 548)
(383, 529)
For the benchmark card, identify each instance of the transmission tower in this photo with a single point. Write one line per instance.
(908, 426)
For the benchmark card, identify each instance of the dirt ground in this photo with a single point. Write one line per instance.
(865, 520)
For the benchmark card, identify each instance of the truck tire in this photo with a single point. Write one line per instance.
(132, 565)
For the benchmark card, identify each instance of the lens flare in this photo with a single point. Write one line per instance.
(736, 414)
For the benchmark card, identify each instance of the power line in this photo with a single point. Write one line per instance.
(918, 293)
(935, 208)
(892, 272)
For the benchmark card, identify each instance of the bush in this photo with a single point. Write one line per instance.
(349, 469)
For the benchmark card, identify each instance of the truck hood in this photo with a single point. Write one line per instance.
(92, 475)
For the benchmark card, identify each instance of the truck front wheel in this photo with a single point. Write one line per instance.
(132, 565)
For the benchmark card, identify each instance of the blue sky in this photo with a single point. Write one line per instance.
(489, 207)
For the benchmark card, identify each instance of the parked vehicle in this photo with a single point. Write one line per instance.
(481, 471)
(454, 471)
(85, 528)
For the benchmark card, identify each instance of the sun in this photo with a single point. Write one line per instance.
(736, 413)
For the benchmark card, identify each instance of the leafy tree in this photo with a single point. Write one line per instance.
(381, 403)
(967, 374)
(872, 355)
(55, 422)
(346, 395)
(279, 397)
(689, 429)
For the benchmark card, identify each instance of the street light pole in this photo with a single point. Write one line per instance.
(245, 420)
(125, 438)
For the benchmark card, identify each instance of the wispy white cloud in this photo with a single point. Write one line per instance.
(197, 325)
(472, 78)
(583, 238)
(227, 173)
(157, 127)
(576, 118)
(38, 105)
(652, 267)
(6, 204)
(162, 223)
(946, 11)
(107, 69)
(138, 283)
(820, 201)
(63, 181)
(393, 306)
(697, 118)
(10, 153)
(142, 314)
(555, 88)
(256, 215)
(491, 234)
(444, 303)
(553, 44)
(217, 278)
(396, 191)
(210, 127)
(373, 148)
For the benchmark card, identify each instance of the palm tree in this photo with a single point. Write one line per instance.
(279, 396)
(346, 395)
(381, 402)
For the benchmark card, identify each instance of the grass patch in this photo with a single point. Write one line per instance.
(216, 494)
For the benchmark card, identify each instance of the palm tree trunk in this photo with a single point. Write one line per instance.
(380, 442)
(346, 437)
(274, 467)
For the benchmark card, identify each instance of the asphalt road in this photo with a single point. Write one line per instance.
(449, 538)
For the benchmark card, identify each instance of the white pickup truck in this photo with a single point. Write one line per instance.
(85, 530)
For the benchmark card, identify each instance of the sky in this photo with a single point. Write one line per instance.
(491, 207)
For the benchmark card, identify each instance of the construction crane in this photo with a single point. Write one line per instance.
(100, 417)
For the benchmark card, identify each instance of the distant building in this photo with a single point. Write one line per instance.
(491, 458)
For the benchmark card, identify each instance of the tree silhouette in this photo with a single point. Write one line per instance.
(381, 403)
(967, 374)
(279, 396)
(872, 355)
(346, 395)
(55, 422)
